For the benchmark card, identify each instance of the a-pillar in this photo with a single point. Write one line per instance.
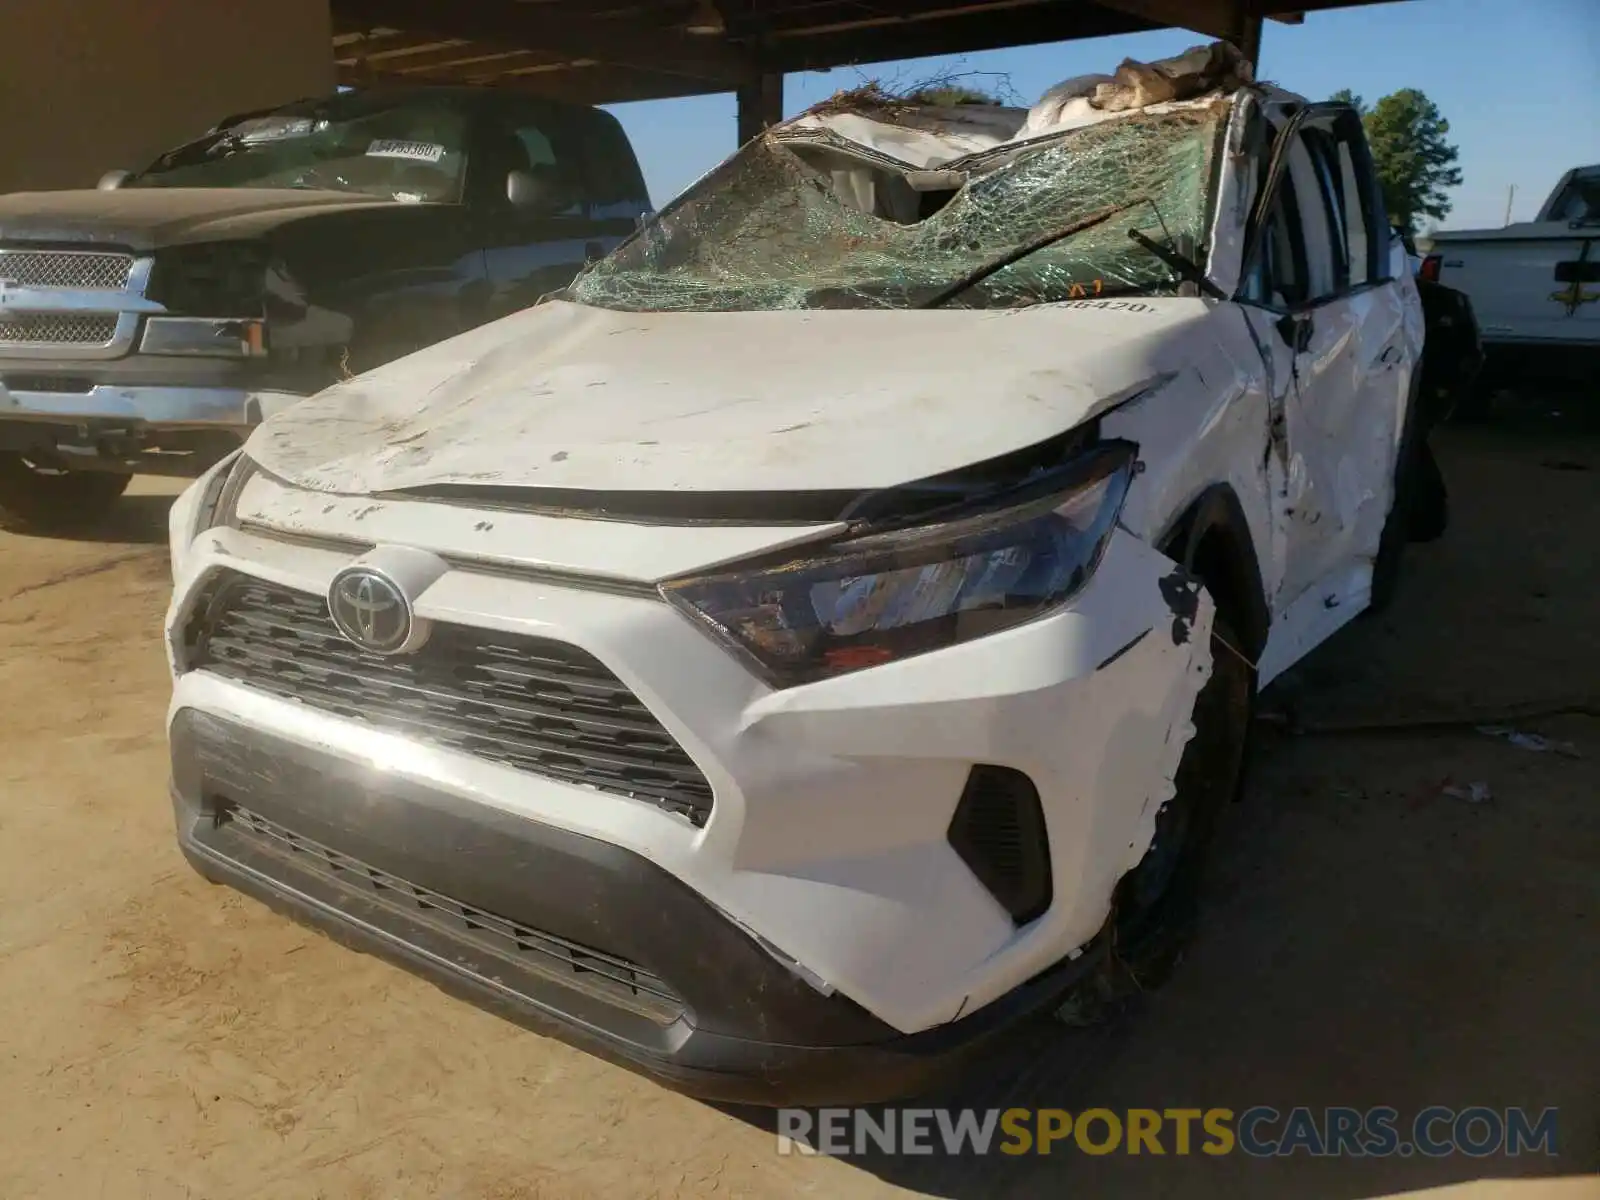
(90, 86)
(760, 104)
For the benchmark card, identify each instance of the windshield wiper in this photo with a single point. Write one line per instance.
(1017, 253)
(1186, 269)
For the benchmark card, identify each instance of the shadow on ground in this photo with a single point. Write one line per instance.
(1371, 940)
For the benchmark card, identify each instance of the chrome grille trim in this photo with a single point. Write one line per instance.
(71, 304)
(58, 328)
(80, 270)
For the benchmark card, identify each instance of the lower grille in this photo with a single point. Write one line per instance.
(607, 976)
(58, 329)
(531, 703)
(72, 385)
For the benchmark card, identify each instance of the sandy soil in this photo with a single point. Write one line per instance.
(1370, 940)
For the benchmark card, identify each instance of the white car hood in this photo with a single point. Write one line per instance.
(569, 397)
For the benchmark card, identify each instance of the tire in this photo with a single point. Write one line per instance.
(40, 500)
(1158, 902)
(1430, 501)
(1475, 404)
(1397, 526)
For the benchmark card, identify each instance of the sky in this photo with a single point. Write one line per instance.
(1518, 80)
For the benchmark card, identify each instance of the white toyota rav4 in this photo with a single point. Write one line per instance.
(824, 635)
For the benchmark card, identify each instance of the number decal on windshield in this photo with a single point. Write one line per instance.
(1132, 306)
(430, 152)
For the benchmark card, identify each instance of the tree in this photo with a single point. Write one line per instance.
(1414, 161)
(948, 95)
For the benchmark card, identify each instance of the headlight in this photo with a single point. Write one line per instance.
(205, 337)
(886, 596)
(202, 504)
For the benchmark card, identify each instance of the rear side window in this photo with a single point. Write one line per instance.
(611, 166)
(1579, 201)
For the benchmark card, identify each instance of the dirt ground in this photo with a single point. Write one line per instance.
(1370, 940)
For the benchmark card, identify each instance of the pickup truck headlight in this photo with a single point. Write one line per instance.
(889, 595)
(205, 337)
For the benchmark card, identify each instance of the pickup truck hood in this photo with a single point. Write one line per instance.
(143, 219)
(562, 396)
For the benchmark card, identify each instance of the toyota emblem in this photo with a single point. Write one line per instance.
(370, 610)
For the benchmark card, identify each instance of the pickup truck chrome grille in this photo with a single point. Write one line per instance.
(531, 703)
(58, 328)
(81, 270)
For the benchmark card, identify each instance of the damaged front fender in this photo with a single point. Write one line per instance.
(1093, 704)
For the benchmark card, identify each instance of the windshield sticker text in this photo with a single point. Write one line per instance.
(1132, 306)
(430, 152)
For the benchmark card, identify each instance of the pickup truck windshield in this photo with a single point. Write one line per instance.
(398, 150)
(787, 224)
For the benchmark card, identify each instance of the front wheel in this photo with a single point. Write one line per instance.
(36, 499)
(1157, 904)
(1158, 901)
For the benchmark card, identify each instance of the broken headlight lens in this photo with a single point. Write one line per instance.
(887, 596)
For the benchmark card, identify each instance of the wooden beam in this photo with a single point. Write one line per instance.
(760, 105)
(1214, 18)
(968, 30)
(577, 82)
(510, 24)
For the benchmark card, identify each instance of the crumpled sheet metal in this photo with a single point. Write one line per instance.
(769, 229)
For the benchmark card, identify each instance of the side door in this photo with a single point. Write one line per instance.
(539, 231)
(1325, 302)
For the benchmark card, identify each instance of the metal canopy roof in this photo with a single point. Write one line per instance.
(605, 51)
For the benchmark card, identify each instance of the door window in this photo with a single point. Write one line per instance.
(1279, 277)
(1317, 222)
(1318, 241)
(1344, 171)
(534, 141)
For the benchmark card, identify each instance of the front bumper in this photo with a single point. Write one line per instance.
(160, 429)
(826, 870)
(745, 1029)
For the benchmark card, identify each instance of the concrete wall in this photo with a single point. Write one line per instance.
(87, 86)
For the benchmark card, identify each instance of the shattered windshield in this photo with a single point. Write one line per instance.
(785, 224)
(396, 149)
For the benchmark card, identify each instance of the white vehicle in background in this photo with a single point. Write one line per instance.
(1535, 285)
(825, 635)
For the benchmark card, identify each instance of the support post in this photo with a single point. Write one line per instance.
(760, 103)
(1247, 32)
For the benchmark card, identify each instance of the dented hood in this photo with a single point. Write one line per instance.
(572, 397)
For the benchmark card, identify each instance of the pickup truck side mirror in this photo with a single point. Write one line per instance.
(112, 180)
